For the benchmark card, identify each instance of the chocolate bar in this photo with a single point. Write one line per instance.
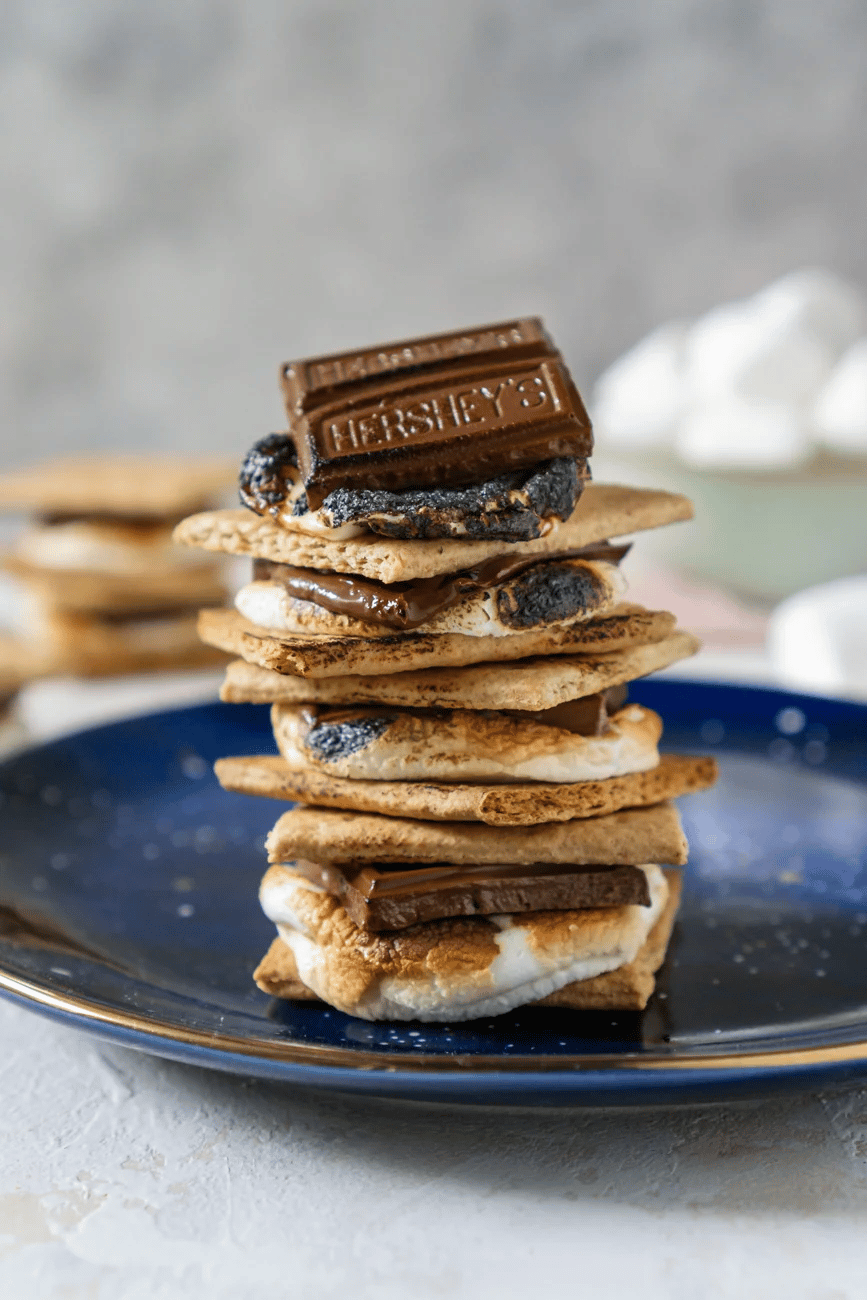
(384, 897)
(429, 426)
(320, 380)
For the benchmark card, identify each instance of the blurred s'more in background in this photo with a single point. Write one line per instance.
(105, 591)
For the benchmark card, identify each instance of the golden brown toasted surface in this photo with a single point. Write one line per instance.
(496, 805)
(457, 746)
(83, 644)
(337, 656)
(539, 683)
(20, 662)
(631, 836)
(135, 486)
(604, 510)
(628, 988)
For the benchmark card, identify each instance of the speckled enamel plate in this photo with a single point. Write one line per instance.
(128, 907)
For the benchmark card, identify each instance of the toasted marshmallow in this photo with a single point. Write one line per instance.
(105, 547)
(514, 606)
(369, 744)
(456, 969)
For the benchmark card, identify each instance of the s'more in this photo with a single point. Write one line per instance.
(107, 591)
(438, 618)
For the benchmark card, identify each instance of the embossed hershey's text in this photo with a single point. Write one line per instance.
(530, 397)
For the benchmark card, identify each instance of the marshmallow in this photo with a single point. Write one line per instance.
(841, 409)
(752, 351)
(740, 435)
(640, 398)
(818, 301)
(817, 640)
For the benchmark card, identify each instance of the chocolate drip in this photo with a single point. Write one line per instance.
(407, 605)
(393, 896)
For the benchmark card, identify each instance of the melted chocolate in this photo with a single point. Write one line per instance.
(407, 605)
(393, 896)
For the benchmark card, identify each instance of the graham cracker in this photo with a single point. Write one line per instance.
(628, 988)
(337, 656)
(135, 486)
(629, 837)
(534, 684)
(604, 511)
(86, 590)
(495, 805)
(83, 645)
(19, 663)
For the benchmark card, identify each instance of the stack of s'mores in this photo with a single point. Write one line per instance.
(438, 618)
(106, 589)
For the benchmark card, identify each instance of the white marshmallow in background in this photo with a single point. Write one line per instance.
(818, 301)
(740, 435)
(817, 640)
(841, 409)
(641, 398)
(746, 351)
(737, 389)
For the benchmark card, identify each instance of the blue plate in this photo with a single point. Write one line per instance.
(128, 907)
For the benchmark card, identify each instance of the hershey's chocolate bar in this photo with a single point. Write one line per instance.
(383, 897)
(464, 422)
(320, 380)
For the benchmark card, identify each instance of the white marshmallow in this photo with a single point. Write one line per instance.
(640, 398)
(749, 350)
(817, 640)
(841, 408)
(521, 972)
(740, 435)
(819, 301)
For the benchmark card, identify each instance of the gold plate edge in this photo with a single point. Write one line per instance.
(390, 1062)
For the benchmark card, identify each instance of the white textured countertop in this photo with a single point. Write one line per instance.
(123, 1177)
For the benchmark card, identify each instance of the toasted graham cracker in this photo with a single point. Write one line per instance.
(629, 837)
(86, 646)
(628, 988)
(496, 805)
(19, 663)
(136, 486)
(525, 684)
(604, 510)
(87, 591)
(336, 656)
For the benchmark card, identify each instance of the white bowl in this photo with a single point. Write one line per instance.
(763, 536)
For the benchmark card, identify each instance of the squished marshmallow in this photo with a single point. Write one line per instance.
(451, 970)
(269, 605)
(105, 548)
(460, 745)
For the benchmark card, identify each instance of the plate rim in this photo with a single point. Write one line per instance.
(93, 1016)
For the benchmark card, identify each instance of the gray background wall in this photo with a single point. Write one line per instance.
(193, 190)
